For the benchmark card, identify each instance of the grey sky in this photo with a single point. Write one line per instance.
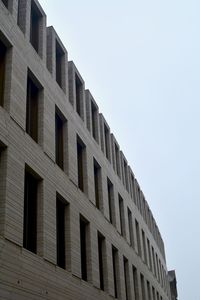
(141, 62)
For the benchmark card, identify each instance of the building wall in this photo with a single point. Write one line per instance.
(28, 275)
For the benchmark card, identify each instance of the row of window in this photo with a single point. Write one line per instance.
(98, 128)
(32, 186)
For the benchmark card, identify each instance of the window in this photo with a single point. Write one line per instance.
(3, 51)
(107, 142)
(154, 263)
(32, 104)
(157, 296)
(30, 212)
(135, 283)
(153, 293)
(130, 225)
(21, 15)
(61, 224)
(35, 26)
(60, 55)
(115, 271)
(122, 218)
(94, 113)
(101, 251)
(138, 237)
(144, 247)
(117, 159)
(5, 2)
(81, 164)
(143, 287)
(97, 185)
(148, 290)
(111, 201)
(84, 227)
(127, 278)
(149, 253)
(79, 96)
(60, 123)
(126, 175)
(157, 267)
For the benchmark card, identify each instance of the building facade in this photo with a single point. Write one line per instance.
(74, 223)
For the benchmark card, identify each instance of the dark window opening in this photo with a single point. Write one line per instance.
(101, 241)
(149, 253)
(5, 2)
(111, 201)
(21, 15)
(138, 237)
(158, 296)
(94, 121)
(30, 212)
(32, 100)
(144, 247)
(148, 290)
(79, 87)
(59, 140)
(115, 275)
(142, 287)
(126, 175)
(107, 142)
(83, 244)
(121, 214)
(35, 26)
(59, 64)
(154, 263)
(117, 160)
(153, 293)
(135, 284)
(60, 231)
(80, 164)
(3, 51)
(97, 183)
(126, 278)
(130, 225)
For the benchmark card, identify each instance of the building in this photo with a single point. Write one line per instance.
(74, 223)
(173, 284)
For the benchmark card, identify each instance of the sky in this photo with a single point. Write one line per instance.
(141, 62)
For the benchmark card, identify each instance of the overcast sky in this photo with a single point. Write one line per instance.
(141, 62)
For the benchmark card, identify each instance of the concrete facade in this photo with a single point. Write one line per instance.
(118, 221)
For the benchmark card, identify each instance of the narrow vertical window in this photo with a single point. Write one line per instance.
(111, 201)
(101, 252)
(138, 237)
(81, 164)
(3, 50)
(59, 64)
(107, 142)
(153, 293)
(59, 138)
(117, 159)
(157, 296)
(83, 245)
(126, 175)
(126, 278)
(79, 95)
(94, 121)
(30, 212)
(143, 287)
(122, 217)
(21, 15)
(130, 225)
(148, 290)
(144, 247)
(35, 26)
(154, 263)
(135, 283)
(60, 231)
(115, 271)
(32, 103)
(149, 253)
(97, 184)
(157, 267)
